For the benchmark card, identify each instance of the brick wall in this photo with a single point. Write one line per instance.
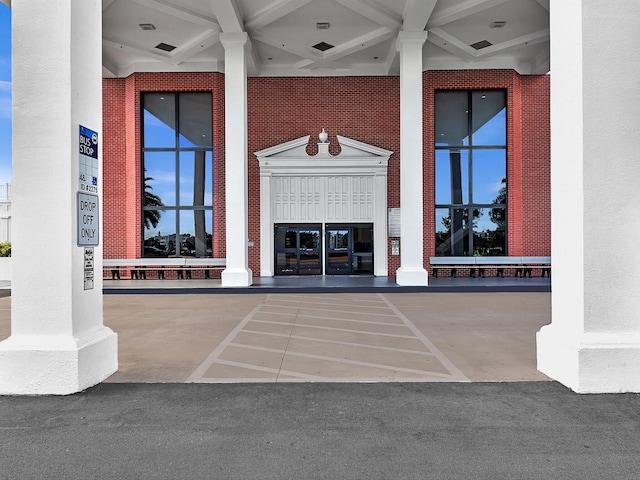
(122, 155)
(363, 108)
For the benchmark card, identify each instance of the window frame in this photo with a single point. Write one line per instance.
(177, 151)
(470, 206)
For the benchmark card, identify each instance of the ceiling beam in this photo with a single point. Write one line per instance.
(461, 10)
(123, 45)
(523, 41)
(451, 44)
(360, 43)
(272, 12)
(544, 4)
(416, 14)
(176, 10)
(375, 13)
(228, 14)
(195, 46)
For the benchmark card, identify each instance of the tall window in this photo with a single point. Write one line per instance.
(471, 172)
(177, 152)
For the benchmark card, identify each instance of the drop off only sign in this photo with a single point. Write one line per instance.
(88, 221)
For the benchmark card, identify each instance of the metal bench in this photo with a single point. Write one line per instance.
(522, 265)
(138, 267)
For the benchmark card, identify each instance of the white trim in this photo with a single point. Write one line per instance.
(291, 160)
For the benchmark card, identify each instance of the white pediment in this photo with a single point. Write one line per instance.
(293, 154)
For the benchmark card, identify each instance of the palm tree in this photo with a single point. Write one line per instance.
(151, 217)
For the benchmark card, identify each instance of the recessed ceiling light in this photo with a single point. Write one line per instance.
(323, 25)
(147, 26)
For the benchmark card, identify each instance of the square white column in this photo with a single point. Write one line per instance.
(593, 341)
(237, 272)
(411, 271)
(58, 343)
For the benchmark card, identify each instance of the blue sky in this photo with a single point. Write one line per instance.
(5, 94)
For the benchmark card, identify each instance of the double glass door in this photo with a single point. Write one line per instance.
(298, 250)
(348, 249)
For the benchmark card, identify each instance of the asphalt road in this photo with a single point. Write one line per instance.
(525, 430)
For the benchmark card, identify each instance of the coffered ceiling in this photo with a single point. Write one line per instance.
(324, 37)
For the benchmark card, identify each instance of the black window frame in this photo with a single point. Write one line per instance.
(177, 149)
(472, 208)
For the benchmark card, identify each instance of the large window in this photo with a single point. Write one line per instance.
(177, 152)
(471, 172)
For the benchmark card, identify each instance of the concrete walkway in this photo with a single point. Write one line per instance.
(331, 337)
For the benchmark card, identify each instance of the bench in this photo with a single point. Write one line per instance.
(522, 265)
(138, 267)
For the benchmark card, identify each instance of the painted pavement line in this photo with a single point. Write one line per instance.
(335, 329)
(328, 310)
(355, 298)
(455, 372)
(348, 344)
(333, 304)
(275, 371)
(206, 364)
(340, 319)
(380, 366)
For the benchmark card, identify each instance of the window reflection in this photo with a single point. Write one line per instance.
(160, 241)
(195, 178)
(489, 118)
(195, 120)
(470, 172)
(489, 175)
(195, 233)
(452, 176)
(159, 111)
(178, 179)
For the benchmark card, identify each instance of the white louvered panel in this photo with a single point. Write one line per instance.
(285, 199)
(362, 198)
(338, 198)
(310, 199)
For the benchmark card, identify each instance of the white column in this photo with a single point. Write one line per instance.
(58, 343)
(237, 273)
(593, 341)
(411, 271)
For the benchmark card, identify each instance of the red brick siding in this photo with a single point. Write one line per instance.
(529, 215)
(282, 109)
(122, 155)
(363, 108)
(536, 173)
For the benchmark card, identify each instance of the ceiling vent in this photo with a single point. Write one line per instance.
(166, 47)
(323, 25)
(482, 44)
(498, 24)
(323, 46)
(147, 26)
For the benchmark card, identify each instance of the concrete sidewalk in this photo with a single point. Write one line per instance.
(330, 337)
(531, 430)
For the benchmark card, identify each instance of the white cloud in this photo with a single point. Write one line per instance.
(5, 86)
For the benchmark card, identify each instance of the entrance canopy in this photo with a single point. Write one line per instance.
(324, 37)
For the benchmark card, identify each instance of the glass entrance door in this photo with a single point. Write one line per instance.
(349, 249)
(298, 250)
